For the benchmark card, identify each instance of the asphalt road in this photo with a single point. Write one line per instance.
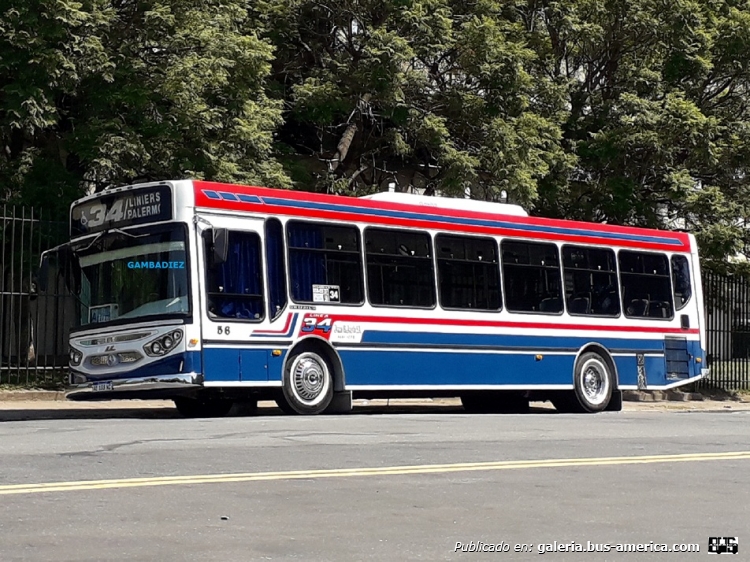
(334, 488)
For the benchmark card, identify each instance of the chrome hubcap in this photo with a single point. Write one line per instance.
(310, 379)
(595, 381)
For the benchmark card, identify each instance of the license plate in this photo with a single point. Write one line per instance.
(100, 386)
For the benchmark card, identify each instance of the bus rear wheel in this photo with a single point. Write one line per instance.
(308, 384)
(593, 382)
(202, 407)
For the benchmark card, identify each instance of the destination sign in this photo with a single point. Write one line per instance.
(123, 209)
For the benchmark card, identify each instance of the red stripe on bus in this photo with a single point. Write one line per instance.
(438, 225)
(284, 330)
(432, 216)
(507, 324)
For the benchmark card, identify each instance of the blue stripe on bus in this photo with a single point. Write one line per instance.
(508, 341)
(468, 221)
(227, 196)
(394, 368)
(397, 367)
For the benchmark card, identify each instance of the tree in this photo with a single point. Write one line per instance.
(658, 115)
(104, 92)
(629, 111)
(428, 93)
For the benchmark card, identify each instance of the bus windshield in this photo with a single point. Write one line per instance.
(134, 276)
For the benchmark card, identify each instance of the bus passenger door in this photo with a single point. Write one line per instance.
(233, 300)
(280, 320)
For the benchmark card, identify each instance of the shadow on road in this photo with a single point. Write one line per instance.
(110, 411)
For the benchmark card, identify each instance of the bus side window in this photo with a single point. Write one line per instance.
(235, 287)
(646, 287)
(275, 266)
(682, 288)
(590, 281)
(531, 277)
(468, 272)
(399, 268)
(325, 254)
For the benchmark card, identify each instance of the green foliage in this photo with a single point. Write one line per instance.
(626, 111)
(436, 90)
(99, 92)
(630, 111)
(657, 116)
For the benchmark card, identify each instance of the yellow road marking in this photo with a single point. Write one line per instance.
(374, 471)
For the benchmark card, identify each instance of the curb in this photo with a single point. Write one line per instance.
(33, 395)
(661, 396)
(627, 396)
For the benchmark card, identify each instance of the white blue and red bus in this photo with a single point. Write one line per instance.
(209, 293)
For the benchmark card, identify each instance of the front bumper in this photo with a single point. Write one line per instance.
(156, 386)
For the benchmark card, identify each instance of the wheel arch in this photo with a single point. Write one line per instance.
(323, 348)
(605, 354)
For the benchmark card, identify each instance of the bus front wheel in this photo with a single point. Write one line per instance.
(308, 384)
(593, 386)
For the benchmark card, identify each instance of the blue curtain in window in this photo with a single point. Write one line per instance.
(240, 275)
(306, 268)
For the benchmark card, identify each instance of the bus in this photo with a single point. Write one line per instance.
(208, 294)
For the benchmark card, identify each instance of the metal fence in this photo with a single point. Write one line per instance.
(33, 328)
(727, 301)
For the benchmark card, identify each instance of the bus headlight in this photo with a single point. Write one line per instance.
(75, 357)
(163, 344)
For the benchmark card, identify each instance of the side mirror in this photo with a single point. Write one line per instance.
(220, 246)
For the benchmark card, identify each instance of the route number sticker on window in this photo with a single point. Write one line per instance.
(326, 293)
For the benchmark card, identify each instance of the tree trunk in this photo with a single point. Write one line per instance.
(346, 139)
(343, 146)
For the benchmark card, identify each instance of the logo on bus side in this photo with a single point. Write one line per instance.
(329, 328)
(346, 332)
(318, 324)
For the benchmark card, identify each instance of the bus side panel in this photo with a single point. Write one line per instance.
(254, 364)
(654, 367)
(275, 365)
(224, 364)
(418, 368)
(221, 364)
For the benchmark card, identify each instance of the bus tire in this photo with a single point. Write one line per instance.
(203, 407)
(593, 382)
(308, 384)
